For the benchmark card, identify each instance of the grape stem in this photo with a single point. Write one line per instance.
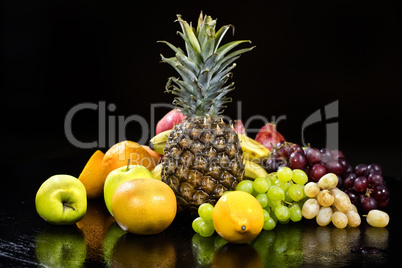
(368, 192)
(288, 203)
(277, 148)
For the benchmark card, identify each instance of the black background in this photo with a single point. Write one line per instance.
(57, 54)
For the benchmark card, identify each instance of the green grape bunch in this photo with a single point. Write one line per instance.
(281, 195)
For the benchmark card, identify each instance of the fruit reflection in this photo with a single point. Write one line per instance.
(376, 237)
(327, 245)
(280, 247)
(337, 247)
(214, 251)
(204, 248)
(237, 255)
(94, 226)
(295, 245)
(60, 246)
(113, 235)
(375, 241)
(144, 251)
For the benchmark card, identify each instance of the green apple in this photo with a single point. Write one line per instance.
(60, 246)
(119, 176)
(113, 234)
(61, 200)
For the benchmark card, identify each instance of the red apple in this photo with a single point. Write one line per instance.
(268, 135)
(239, 127)
(170, 119)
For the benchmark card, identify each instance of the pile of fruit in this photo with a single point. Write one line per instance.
(125, 177)
(200, 165)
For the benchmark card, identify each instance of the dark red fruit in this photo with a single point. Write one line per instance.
(374, 167)
(344, 163)
(383, 204)
(326, 155)
(334, 166)
(348, 180)
(375, 179)
(361, 170)
(313, 156)
(268, 135)
(360, 184)
(317, 171)
(337, 154)
(369, 203)
(380, 193)
(339, 185)
(297, 160)
(354, 197)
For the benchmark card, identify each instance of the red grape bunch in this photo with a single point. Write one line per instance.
(316, 163)
(364, 184)
(366, 187)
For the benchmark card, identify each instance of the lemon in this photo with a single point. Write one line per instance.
(238, 217)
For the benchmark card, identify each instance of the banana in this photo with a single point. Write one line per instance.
(253, 170)
(157, 172)
(252, 150)
(158, 142)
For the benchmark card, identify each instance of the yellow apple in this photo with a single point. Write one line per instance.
(61, 200)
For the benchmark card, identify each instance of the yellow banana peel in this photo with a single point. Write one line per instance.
(252, 150)
(253, 170)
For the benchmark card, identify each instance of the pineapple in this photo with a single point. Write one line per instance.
(202, 156)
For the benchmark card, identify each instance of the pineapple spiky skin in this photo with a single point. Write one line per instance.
(202, 159)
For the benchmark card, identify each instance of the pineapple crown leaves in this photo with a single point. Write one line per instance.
(204, 69)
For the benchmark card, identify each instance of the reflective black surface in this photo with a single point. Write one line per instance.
(28, 241)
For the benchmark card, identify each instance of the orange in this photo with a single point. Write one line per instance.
(238, 217)
(144, 206)
(118, 155)
(92, 175)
